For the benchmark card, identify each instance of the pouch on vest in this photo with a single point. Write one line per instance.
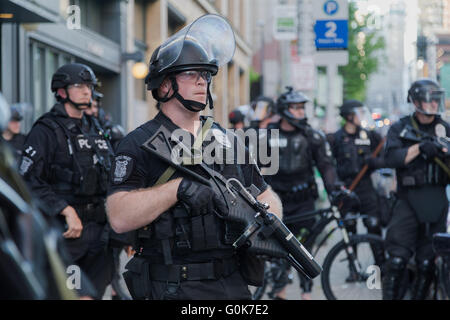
(251, 268)
(89, 182)
(428, 202)
(137, 278)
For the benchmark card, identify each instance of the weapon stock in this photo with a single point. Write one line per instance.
(260, 232)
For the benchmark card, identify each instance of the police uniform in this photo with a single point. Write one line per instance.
(351, 152)
(16, 143)
(179, 256)
(299, 152)
(65, 161)
(422, 205)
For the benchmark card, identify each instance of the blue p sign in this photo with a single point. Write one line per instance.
(330, 7)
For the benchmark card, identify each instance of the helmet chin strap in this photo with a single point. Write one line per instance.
(191, 105)
(297, 123)
(76, 105)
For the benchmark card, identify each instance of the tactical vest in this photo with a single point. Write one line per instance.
(82, 161)
(352, 150)
(176, 235)
(295, 174)
(420, 172)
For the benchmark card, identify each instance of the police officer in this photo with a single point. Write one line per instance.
(114, 132)
(301, 149)
(66, 160)
(422, 175)
(182, 251)
(352, 147)
(12, 133)
(236, 119)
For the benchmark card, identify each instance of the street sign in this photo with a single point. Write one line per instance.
(285, 23)
(331, 27)
(303, 72)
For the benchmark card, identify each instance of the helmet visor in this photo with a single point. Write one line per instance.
(211, 32)
(5, 113)
(365, 117)
(430, 101)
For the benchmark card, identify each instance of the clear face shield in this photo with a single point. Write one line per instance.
(261, 110)
(430, 101)
(211, 32)
(5, 113)
(364, 117)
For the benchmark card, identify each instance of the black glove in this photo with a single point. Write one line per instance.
(428, 149)
(200, 199)
(350, 201)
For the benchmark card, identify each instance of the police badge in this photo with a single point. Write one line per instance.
(123, 166)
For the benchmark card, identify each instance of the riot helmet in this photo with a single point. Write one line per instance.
(204, 45)
(235, 117)
(97, 96)
(283, 104)
(352, 108)
(5, 113)
(16, 113)
(427, 96)
(71, 74)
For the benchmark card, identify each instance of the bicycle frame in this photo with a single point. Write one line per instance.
(327, 216)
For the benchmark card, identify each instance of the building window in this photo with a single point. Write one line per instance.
(44, 62)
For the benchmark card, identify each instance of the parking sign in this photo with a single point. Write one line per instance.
(331, 26)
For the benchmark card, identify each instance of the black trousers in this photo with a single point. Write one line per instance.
(406, 236)
(92, 256)
(294, 209)
(369, 206)
(232, 287)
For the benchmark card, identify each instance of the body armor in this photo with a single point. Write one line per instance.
(82, 159)
(351, 153)
(295, 178)
(176, 234)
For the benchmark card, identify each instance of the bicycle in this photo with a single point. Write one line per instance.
(349, 259)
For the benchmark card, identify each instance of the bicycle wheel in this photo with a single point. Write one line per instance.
(345, 279)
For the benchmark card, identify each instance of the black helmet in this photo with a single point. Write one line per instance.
(191, 57)
(16, 113)
(72, 73)
(236, 116)
(5, 113)
(97, 96)
(204, 45)
(287, 98)
(426, 90)
(348, 107)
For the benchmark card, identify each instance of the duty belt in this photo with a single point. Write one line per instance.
(193, 272)
(91, 212)
(300, 192)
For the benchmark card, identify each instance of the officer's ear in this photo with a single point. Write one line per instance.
(61, 93)
(165, 88)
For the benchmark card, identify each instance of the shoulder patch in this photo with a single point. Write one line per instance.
(122, 168)
(25, 165)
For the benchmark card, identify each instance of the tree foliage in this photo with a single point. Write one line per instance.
(363, 44)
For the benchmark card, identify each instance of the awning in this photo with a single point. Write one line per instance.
(22, 11)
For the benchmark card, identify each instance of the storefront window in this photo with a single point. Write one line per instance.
(44, 62)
